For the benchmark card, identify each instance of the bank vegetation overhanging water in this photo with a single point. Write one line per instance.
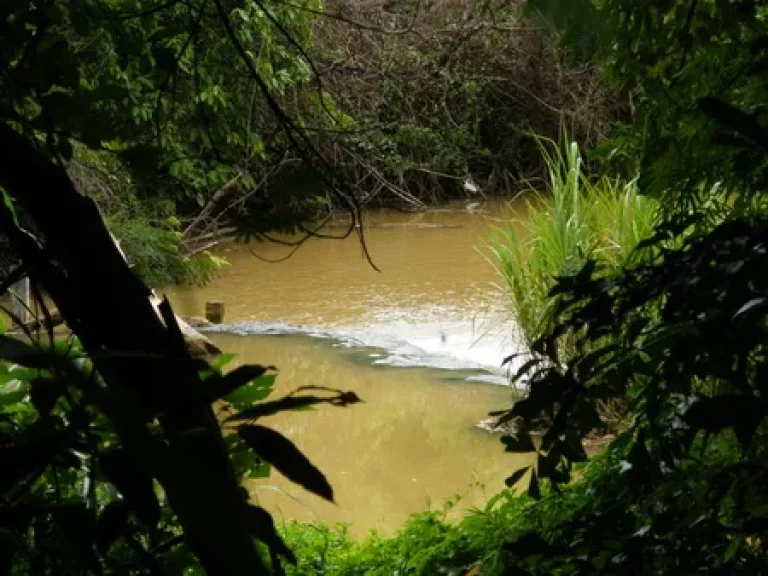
(92, 430)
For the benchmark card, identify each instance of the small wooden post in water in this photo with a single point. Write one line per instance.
(214, 311)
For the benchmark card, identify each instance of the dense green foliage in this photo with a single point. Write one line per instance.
(178, 103)
(267, 121)
(72, 495)
(429, 544)
(113, 458)
(681, 334)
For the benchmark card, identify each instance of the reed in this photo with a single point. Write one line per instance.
(556, 230)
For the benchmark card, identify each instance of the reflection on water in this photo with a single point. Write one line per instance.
(431, 307)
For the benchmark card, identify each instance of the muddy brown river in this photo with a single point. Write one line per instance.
(420, 342)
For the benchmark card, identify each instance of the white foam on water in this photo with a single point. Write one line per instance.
(426, 343)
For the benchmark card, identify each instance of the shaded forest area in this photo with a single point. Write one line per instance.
(396, 103)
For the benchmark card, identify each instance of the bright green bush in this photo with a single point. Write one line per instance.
(154, 251)
(556, 231)
(429, 545)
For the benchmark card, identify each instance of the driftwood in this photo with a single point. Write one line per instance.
(197, 343)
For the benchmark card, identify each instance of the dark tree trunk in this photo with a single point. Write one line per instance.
(147, 369)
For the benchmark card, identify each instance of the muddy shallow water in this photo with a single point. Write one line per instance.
(421, 343)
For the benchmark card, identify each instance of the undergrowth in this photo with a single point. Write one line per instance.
(429, 545)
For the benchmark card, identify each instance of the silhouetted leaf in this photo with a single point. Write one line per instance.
(742, 413)
(512, 480)
(283, 455)
(342, 399)
(533, 487)
(111, 524)
(21, 353)
(44, 392)
(521, 442)
(547, 463)
(136, 487)
(261, 525)
(244, 460)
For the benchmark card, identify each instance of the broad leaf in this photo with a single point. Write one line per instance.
(18, 352)
(226, 385)
(249, 391)
(521, 442)
(512, 480)
(283, 455)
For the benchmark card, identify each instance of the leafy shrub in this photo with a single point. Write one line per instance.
(154, 251)
(428, 544)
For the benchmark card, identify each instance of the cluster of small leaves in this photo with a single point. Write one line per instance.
(70, 496)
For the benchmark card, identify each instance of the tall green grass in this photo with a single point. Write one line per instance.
(556, 230)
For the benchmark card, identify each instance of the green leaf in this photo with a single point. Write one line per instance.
(249, 391)
(261, 525)
(13, 391)
(512, 480)
(245, 462)
(242, 376)
(223, 360)
(283, 455)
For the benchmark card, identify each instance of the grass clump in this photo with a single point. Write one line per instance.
(553, 235)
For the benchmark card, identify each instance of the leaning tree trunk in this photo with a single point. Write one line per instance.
(145, 365)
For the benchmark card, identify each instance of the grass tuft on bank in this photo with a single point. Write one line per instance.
(558, 229)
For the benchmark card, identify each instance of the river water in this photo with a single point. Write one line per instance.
(421, 343)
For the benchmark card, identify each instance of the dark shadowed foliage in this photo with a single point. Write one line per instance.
(113, 457)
